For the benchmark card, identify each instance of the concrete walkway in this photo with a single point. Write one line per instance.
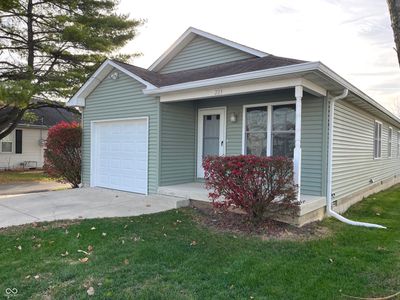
(82, 203)
(31, 187)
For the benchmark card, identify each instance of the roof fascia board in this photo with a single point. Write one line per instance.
(80, 96)
(336, 77)
(188, 36)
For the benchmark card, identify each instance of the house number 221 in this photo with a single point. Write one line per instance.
(218, 92)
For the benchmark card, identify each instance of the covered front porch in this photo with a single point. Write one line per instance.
(284, 118)
(311, 209)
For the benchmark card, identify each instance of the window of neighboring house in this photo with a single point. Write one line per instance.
(7, 144)
(269, 130)
(390, 135)
(378, 139)
(398, 143)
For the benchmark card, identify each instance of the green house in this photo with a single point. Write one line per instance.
(147, 130)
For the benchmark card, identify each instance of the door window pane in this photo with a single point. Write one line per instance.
(211, 135)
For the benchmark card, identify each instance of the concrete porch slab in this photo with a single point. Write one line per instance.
(196, 191)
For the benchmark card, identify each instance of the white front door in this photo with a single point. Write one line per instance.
(119, 154)
(211, 135)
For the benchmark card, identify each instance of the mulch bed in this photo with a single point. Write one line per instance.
(237, 223)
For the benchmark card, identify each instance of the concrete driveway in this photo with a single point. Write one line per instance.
(82, 203)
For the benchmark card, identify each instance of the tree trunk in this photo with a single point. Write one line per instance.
(394, 10)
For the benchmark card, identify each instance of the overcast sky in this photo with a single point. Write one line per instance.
(352, 37)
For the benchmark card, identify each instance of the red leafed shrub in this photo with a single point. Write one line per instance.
(259, 185)
(62, 158)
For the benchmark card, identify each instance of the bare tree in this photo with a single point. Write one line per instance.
(394, 10)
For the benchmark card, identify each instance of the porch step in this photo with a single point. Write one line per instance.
(194, 191)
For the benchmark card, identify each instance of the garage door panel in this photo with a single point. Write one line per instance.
(121, 151)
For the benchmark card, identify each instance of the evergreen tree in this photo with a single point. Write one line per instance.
(49, 47)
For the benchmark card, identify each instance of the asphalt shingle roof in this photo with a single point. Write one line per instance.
(214, 71)
(49, 116)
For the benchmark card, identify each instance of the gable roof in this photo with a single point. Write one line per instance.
(214, 71)
(188, 36)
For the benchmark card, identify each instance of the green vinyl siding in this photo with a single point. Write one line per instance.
(177, 141)
(182, 168)
(202, 52)
(117, 99)
(353, 157)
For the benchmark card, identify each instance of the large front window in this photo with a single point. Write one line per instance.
(270, 130)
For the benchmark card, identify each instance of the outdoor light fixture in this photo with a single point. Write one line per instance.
(233, 118)
(114, 75)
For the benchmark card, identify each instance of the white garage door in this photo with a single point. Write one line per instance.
(119, 158)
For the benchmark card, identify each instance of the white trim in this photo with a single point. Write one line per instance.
(269, 106)
(78, 99)
(222, 132)
(93, 142)
(390, 129)
(398, 144)
(380, 139)
(187, 37)
(10, 136)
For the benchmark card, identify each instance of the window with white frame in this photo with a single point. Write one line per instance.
(390, 136)
(283, 130)
(6, 144)
(378, 139)
(398, 143)
(269, 129)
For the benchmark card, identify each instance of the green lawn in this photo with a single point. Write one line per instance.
(9, 177)
(154, 257)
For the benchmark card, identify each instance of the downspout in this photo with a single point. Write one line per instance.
(329, 209)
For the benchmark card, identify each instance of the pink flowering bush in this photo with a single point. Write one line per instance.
(62, 158)
(261, 186)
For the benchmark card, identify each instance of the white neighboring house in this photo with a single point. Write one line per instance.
(24, 147)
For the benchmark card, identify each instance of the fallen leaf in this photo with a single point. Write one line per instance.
(193, 243)
(28, 276)
(126, 226)
(126, 261)
(78, 235)
(165, 234)
(38, 245)
(378, 214)
(104, 234)
(90, 248)
(65, 254)
(331, 260)
(36, 276)
(90, 291)
(123, 242)
(178, 221)
(83, 251)
(66, 231)
(84, 260)
(19, 247)
(93, 228)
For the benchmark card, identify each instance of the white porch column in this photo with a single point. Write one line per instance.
(297, 148)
